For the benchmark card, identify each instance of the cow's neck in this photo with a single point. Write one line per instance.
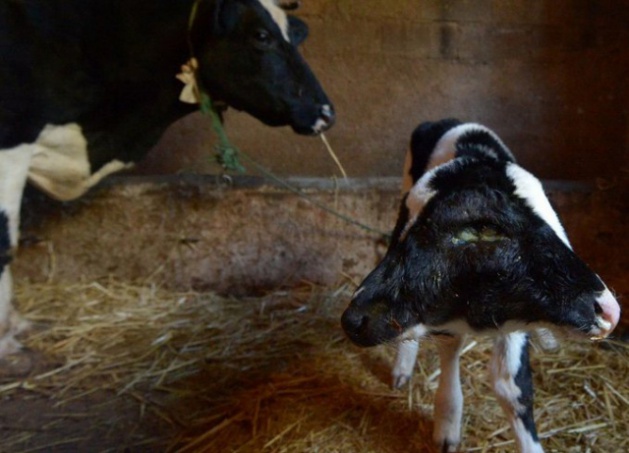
(153, 35)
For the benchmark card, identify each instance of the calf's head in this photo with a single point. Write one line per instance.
(248, 58)
(478, 247)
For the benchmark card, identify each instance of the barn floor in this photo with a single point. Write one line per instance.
(123, 357)
(118, 367)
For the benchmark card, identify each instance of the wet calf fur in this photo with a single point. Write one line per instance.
(478, 250)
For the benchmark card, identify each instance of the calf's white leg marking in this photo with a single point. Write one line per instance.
(404, 362)
(11, 324)
(504, 367)
(449, 397)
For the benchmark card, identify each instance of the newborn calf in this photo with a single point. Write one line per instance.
(478, 250)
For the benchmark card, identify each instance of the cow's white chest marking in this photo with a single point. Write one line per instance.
(14, 164)
(60, 165)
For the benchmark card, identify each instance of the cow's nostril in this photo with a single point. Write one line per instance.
(325, 120)
(326, 114)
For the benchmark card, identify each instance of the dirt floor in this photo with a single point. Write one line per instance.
(119, 367)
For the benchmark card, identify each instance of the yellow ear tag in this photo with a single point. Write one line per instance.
(190, 92)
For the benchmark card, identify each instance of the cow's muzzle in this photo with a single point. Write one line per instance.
(315, 121)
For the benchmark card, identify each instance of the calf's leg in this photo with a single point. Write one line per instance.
(404, 362)
(512, 382)
(449, 397)
(546, 339)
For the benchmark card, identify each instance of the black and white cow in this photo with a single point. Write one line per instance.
(87, 87)
(477, 250)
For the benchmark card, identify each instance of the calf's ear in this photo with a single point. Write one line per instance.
(297, 30)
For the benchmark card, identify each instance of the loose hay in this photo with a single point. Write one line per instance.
(192, 372)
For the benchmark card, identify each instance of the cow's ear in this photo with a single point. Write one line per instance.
(297, 30)
(225, 14)
(215, 15)
(220, 15)
(206, 20)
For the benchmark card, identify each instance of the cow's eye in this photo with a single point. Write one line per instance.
(262, 37)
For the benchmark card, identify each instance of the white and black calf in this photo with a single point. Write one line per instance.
(87, 87)
(477, 250)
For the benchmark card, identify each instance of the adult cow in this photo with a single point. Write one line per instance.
(87, 87)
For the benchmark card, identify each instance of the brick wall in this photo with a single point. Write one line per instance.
(550, 76)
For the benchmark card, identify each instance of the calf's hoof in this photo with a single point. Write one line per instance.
(546, 340)
(14, 326)
(446, 447)
(399, 380)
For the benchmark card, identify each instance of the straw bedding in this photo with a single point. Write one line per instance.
(116, 366)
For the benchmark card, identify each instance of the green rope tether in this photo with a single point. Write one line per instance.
(226, 153)
(228, 157)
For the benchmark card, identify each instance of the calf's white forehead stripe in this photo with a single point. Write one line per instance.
(278, 15)
(445, 148)
(417, 198)
(443, 154)
(419, 195)
(529, 188)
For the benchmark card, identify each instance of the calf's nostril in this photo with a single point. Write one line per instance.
(605, 324)
(607, 310)
(354, 322)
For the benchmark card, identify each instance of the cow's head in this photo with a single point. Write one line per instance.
(248, 58)
(478, 247)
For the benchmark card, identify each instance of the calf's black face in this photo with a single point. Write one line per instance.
(482, 253)
(251, 62)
